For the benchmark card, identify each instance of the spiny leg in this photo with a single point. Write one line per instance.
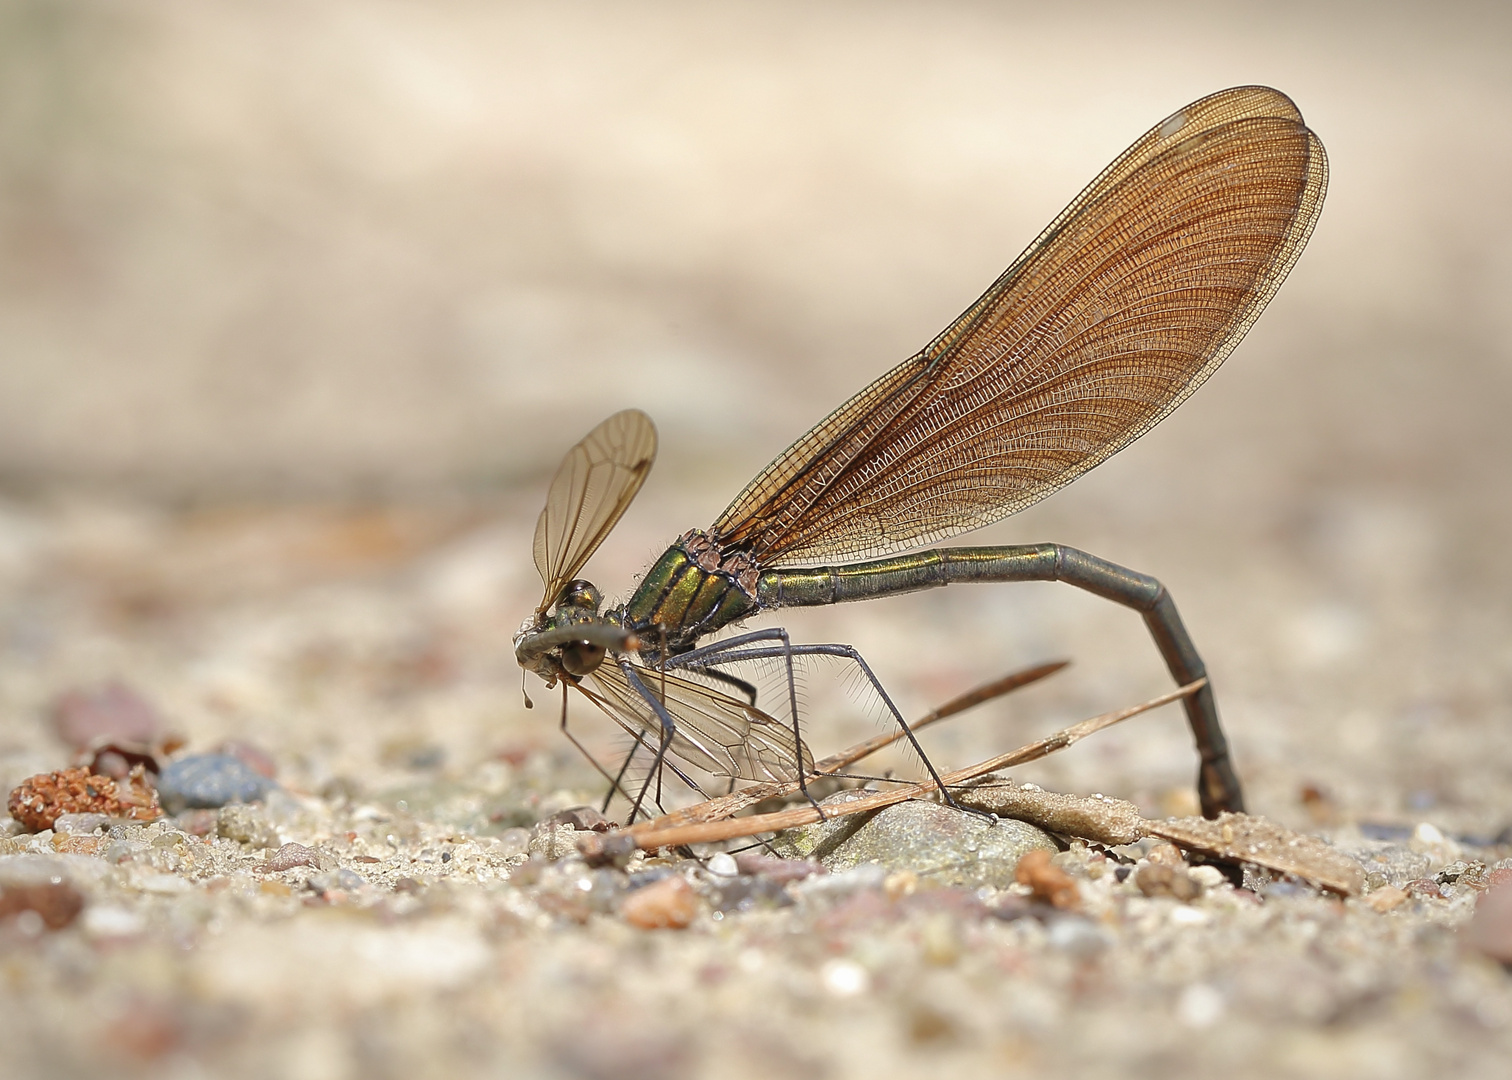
(745, 689)
(668, 728)
(614, 785)
(735, 649)
(614, 781)
(698, 660)
(617, 781)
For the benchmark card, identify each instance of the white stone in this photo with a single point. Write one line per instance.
(109, 921)
(844, 978)
(722, 864)
(1199, 1006)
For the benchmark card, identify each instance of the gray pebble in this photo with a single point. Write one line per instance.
(945, 846)
(246, 825)
(209, 781)
(1078, 936)
(80, 824)
(344, 879)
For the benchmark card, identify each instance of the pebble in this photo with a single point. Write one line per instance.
(1165, 879)
(110, 712)
(246, 825)
(1188, 916)
(1387, 898)
(942, 845)
(80, 824)
(668, 904)
(1047, 881)
(39, 801)
(342, 879)
(203, 781)
(199, 822)
(71, 844)
(1426, 888)
(290, 856)
(1490, 930)
(844, 978)
(1200, 1006)
(554, 841)
(109, 921)
(251, 755)
(514, 841)
(582, 818)
(1077, 937)
(722, 864)
(1209, 877)
(52, 904)
(745, 893)
(758, 864)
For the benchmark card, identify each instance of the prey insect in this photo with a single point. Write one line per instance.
(1111, 318)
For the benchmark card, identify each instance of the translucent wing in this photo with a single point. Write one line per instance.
(715, 732)
(594, 484)
(1109, 320)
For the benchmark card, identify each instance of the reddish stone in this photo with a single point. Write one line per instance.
(780, 870)
(1426, 888)
(668, 904)
(39, 801)
(1490, 931)
(1047, 881)
(58, 903)
(288, 857)
(112, 712)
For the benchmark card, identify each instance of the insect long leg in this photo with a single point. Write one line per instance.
(735, 649)
(614, 784)
(692, 658)
(669, 727)
(617, 781)
(614, 781)
(745, 689)
(1217, 784)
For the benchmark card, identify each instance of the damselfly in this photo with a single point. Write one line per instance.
(1116, 313)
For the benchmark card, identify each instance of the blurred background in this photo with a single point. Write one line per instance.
(300, 305)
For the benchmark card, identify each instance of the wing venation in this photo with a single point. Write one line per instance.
(591, 490)
(714, 732)
(1116, 313)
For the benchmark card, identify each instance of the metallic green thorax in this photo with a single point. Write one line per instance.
(690, 601)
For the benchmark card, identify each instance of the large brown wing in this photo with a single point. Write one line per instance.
(593, 486)
(1121, 308)
(715, 732)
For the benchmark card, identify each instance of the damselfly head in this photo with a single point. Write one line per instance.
(579, 603)
(579, 600)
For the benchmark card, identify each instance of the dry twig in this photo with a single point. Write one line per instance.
(669, 832)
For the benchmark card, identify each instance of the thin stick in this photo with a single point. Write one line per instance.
(729, 805)
(969, 699)
(651, 835)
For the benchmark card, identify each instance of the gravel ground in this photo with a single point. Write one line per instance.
(394, 908)
(300, 308)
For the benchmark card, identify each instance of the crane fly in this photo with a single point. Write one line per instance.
(1118, 311)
